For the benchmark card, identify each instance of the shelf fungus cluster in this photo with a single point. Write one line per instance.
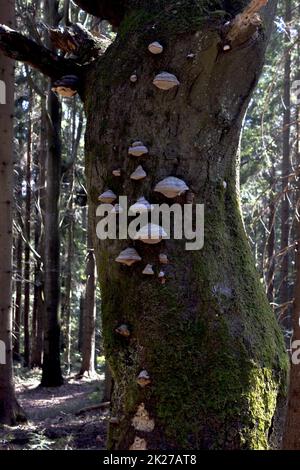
(66, 86)
(128, 257)
(143, 379)
(166, 81)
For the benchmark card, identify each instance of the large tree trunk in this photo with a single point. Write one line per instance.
(10, 411)
(52, 376)
(207, 337)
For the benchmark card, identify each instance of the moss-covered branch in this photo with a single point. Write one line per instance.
(19, 47)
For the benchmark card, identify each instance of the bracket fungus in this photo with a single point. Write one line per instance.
(133, 78)
(163, 258)
(224, 185)
(138, 444)
(143, 379)
(162, 277)
(171, 187)
(117, 172)
(107, 197)
(226, 48)
(148, 270)
(165, 81)
(141, 420)
(137, 149)
(128, 257)
(155, 48)
(123, 330)
(141, 206)
(138, 174)
(66, 86)
(117, 209)
(151, 234)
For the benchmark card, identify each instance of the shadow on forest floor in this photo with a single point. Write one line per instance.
(51, 412)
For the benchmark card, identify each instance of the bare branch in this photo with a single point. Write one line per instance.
(245, 24)
(79, 42)
(19, 47)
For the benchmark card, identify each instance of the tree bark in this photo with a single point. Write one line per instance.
(10, 411)
(207, 337)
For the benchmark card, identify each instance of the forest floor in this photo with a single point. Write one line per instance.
(53, 422)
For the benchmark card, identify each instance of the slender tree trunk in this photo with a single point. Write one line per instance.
(207, 338)
(39, 300)
(68, 271)
(28, 239)
(285, 170)
(10, 411)
(270, 268)
(89, 314)
(18, 299)
(80, 329)
(52, 376)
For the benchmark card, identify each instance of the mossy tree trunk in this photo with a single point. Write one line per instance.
(207, 337)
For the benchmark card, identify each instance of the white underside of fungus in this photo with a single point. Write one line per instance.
(155, 48)
(171, 187)
(148, 270)
(138, 174)
(151, 234)
(128, 257)
(107, 197)
(165, 81)
(137, 150)
(141, 206)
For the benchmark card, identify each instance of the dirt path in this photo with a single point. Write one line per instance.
(52, 421)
